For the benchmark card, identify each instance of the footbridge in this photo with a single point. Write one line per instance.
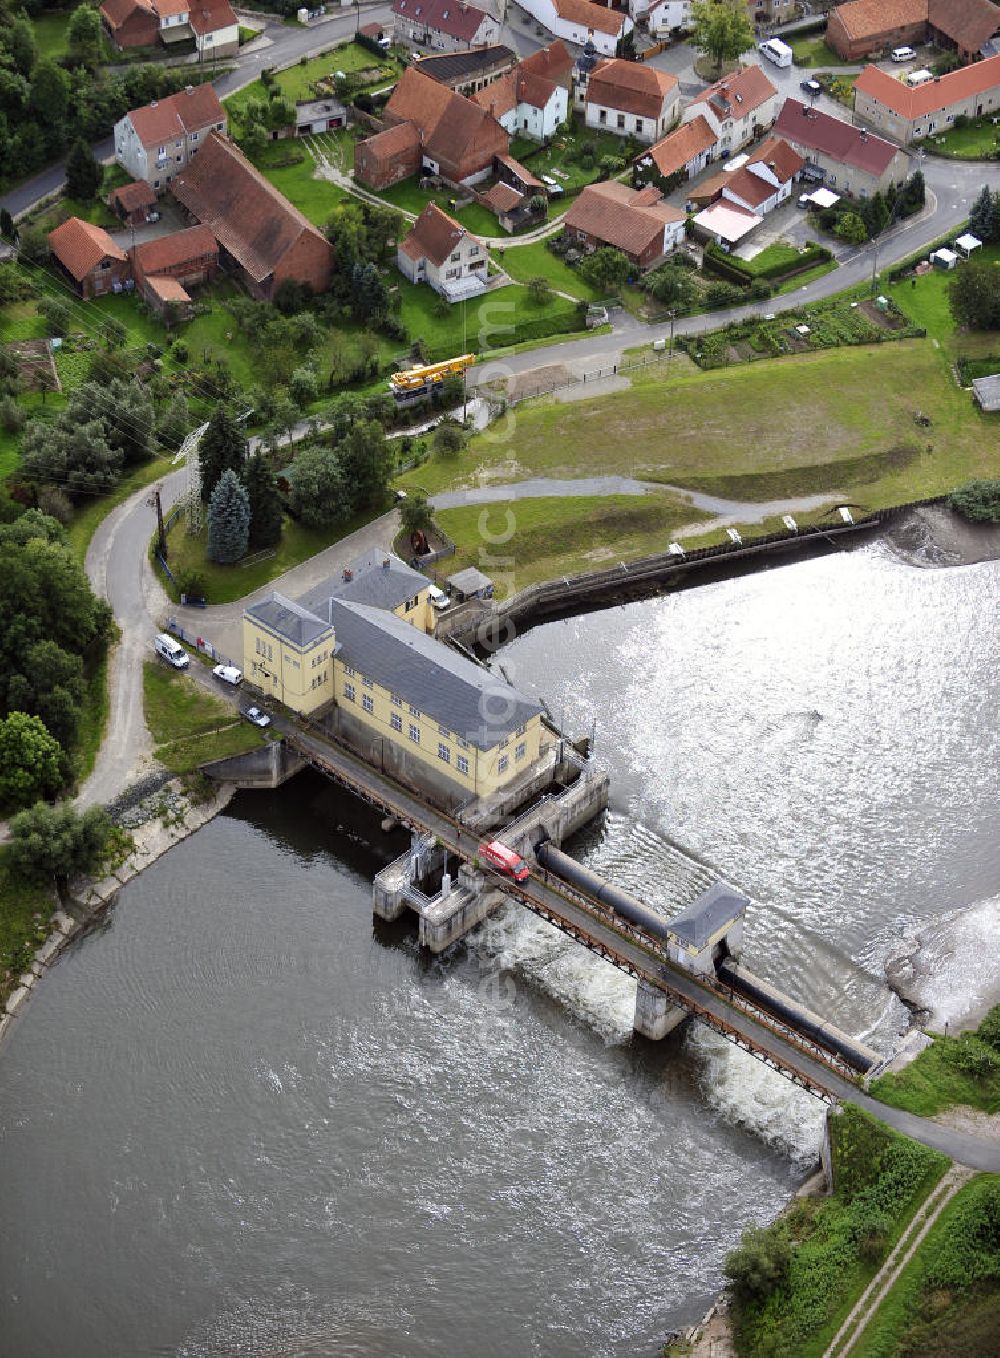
(806, 1051)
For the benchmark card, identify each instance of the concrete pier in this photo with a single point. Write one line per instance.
(269, 766)
(655, 1016)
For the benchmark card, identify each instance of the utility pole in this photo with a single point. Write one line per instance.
(465, 368)
(670, 352)
(159, 524)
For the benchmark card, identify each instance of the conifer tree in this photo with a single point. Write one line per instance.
(228, 519)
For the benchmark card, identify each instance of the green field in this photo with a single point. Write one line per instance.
(189, 726)
(314, 197)
(978, 141)
(489, 322)
(553, 537)
(925, 301)
(839, 420)
(812, 51)
(559, 162)
(296, 83)
(408, 196)
(963, 1070)
(524, 262)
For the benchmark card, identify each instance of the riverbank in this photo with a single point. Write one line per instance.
(157, 818)
(935, 536)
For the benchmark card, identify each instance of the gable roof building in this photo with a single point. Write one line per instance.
(211, 25)
(908, 114)
(854, 160)
(444, 25)
(765, 181)
(862, 27)
(131, 202)
(737, 108)
(531, 99)
(580, 21)
(630, 99)
(89, 257)
(262, 237)
(155, 142)
(440, 251)
(165, 266)
(637, 222)
(684, 152)
(469, 72)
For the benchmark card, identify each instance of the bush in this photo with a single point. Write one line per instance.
(978, 501)
(759, 1263)
(449, 439)
(723, 295)
(56, 841)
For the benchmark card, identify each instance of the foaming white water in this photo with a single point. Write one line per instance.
(748, 1093)
(951, 969)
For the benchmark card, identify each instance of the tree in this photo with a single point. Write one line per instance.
(303, 386)
(415, 514)
(974, 294)
(721, 29)
(22, 46)
(365, 460)
(983, 216)
(228, 519)
(30, 760)
(449, 440)
(76, 457)
(175, 422)
(851, 228)
(265, 504)
(125, 410)
(48, 99)
(318, 494)
(539, 290)
(56, 841)
(83, 174)
(222, 446)
(978, 501)
(759, 1263)
(369, 296)
(8, 229)
(672, 286)
(84, 37)
(606, 269)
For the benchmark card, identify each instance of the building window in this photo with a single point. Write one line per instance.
(462, 744)
(349, 692)
(368, 683)
(638, 124)
(473, 251)
(521, 730)
(602, 117)
(396, 721)
(414, 711)
(414, 733)
(444, 753)
(521, 750)
(502, 763)
(395, 699)
(503, 743)
(461, 763)
(349, 670)
(443, 731)
(368, 702)
(621, 121)
(455, 257)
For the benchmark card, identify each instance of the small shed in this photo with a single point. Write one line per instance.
(987, 392)
(944, 258)
(469, 584)
(967, 243)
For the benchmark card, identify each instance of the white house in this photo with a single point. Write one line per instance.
(216, 28)
(577, 20)
(765, 181)
(662, 16)
(444, 25)
(156, 142)
(738, 109)
(439, 251)
(532, 100)
(630, 99)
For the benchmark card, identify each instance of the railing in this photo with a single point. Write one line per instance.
(199, 643)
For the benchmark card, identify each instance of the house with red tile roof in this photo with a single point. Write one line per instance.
(210, 26)
(155, 143)
(630, 99)
(263, 240)
(89, 258)
(738, 108)
(637, 222)
(680, 155)
(862, 27)
(531, 100)
(444, 25)
(853, 160)
(455, 137)
(188, 258)
(439, 251)
(132, 202)
(909, 114)
(766, 180)
(580, 21)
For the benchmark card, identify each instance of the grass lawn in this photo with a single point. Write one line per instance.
(94, 720)
(814, 52)
(189, 726)
(95, 211)
(836, 420)
(975, 142)
(772, 256)
(936, 1080)
(524, 262)
(25, 910)
(315, 198)
(224, 584)
(491, 322)
(925, 301)
(410, 197)
(297, 82)
(50, 29)
(563, 536)
(559, 161)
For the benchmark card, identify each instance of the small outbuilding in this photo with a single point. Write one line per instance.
(986, 390)
(944, 258)
(966, 244)
(132, 202)
(469, 584)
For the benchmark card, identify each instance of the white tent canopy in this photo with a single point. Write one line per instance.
(823, 197)
(967, 243)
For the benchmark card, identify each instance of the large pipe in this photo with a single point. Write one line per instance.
(796, 1015)
(604, 891)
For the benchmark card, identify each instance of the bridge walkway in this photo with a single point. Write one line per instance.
(590, 924)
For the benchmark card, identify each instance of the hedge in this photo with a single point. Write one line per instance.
(734, 270)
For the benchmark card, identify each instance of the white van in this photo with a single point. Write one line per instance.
(171, 651)
(777, 51)
(903, 54)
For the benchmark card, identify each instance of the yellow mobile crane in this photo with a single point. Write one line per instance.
(424, 378)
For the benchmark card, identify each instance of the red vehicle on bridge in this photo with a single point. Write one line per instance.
(498, 856)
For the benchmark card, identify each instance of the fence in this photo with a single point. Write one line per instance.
(199, 643)
(635, 364)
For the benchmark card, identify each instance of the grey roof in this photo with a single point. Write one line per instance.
(289, 620)
(307, 110)
(708, 913)
(455, 692)
(456, 66)
(372, 582)
(469, 581)
(987, 390)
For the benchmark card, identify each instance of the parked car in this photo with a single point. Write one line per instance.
(811, 86)
(804, 201)
(171, 651)
(504, 860)
(258, 717)
(903, 54)
(438, 597)
(229, 674)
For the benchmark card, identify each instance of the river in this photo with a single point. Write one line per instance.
(237, 1119)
